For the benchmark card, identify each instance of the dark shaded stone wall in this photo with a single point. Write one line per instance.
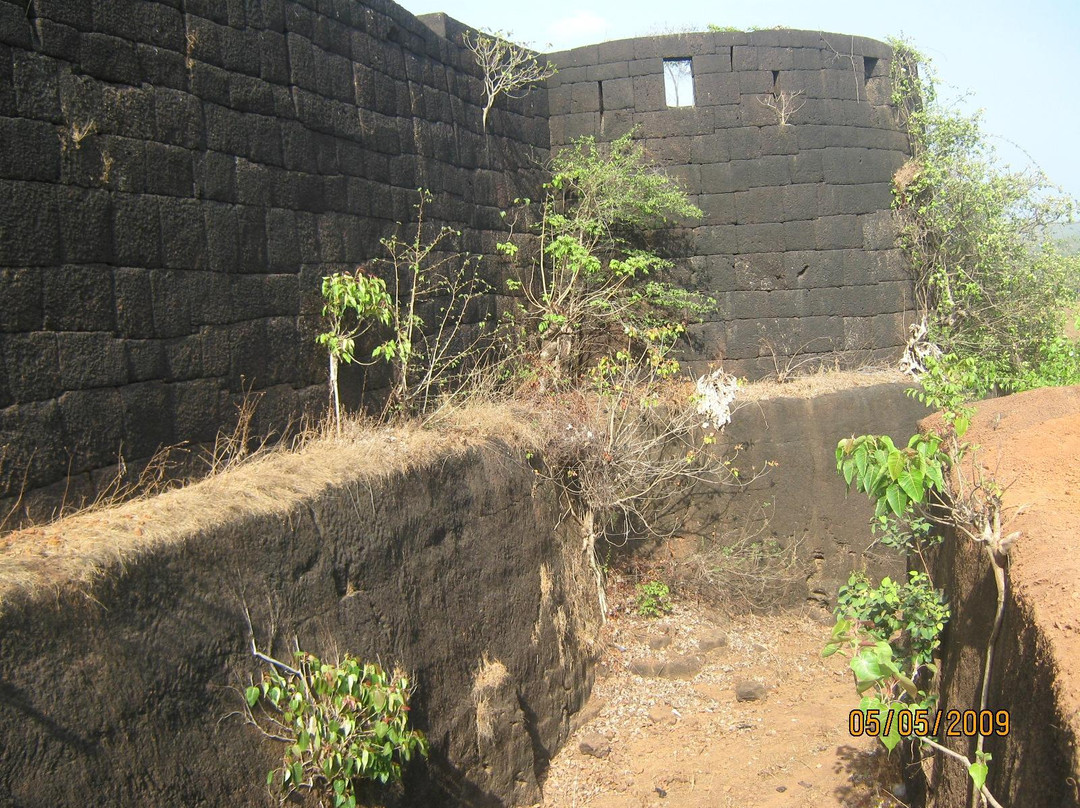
(800, 500)
(797, 242)
(128, 690)
(177, 176)
(175, 179)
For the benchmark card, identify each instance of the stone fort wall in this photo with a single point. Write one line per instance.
(177, 176)
(797, 243)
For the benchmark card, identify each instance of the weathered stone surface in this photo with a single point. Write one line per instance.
(459, 567)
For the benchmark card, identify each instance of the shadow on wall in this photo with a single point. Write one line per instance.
(130, 689)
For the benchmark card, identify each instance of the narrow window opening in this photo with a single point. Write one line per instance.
(869, 64)
(731, 59)
(679, 82)
(600, 89)
(775, 83)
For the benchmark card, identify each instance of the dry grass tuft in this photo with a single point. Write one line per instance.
(817, 384)
(491, 676)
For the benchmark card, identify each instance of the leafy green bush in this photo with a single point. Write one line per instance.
(653, 599)
(894, 478)
(988, 274)
(344, 724)
(909, 616)
(591, 278)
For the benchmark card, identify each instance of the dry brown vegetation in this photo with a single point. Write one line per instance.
(268, 480)
(75, 549)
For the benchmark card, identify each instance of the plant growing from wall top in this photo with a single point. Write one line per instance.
(509, 69)
(432, 347)
(990, 282)
(590, 280)
(603, 327)
(353, 304)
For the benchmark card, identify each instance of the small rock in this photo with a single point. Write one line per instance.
(661, 714)
(781, 789)
(749, 690)
(711, 639)
(595, 745)
(683, 667)
(660, 639)
(823, 615)
(900, 791)
(586, 714)
(805, 784)
(646, 667)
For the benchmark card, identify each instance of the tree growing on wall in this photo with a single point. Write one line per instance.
(509, 69)
(353, 303)
(591, 277)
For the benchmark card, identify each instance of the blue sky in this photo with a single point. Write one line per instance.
(1018, 61)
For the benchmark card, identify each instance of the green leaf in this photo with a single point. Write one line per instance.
(897, 499)
(895, 464)
(866, 668)
(978, 771)
(849, 471)
(890, 718)
(911, 481)
(252, 695)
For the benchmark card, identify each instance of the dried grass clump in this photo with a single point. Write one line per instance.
(752, 573)
(819, 383)
(489, 678)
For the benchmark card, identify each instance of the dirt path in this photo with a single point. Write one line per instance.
(690, 742)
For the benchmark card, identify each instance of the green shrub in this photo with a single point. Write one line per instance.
(344, 724)
(992, 282)
(909, 616)
(653, 599)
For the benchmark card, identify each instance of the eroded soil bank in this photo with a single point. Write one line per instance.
(1030, 444)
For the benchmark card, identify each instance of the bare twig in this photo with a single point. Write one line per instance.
(784, 104)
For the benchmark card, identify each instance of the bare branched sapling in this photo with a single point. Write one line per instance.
(432, 348)
(509, 69)
(784, 104)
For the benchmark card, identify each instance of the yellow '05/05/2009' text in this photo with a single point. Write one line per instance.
(920, 722)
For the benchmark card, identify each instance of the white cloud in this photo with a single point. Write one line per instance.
(583, 27)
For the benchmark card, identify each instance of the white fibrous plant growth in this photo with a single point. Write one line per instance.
(714, 397)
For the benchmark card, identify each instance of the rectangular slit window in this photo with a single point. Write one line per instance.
(678, 83)
(869, 65)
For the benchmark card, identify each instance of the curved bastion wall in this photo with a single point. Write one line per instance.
(175, 179)
(797, 243)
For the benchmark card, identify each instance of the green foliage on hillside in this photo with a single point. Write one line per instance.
(992, 282)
